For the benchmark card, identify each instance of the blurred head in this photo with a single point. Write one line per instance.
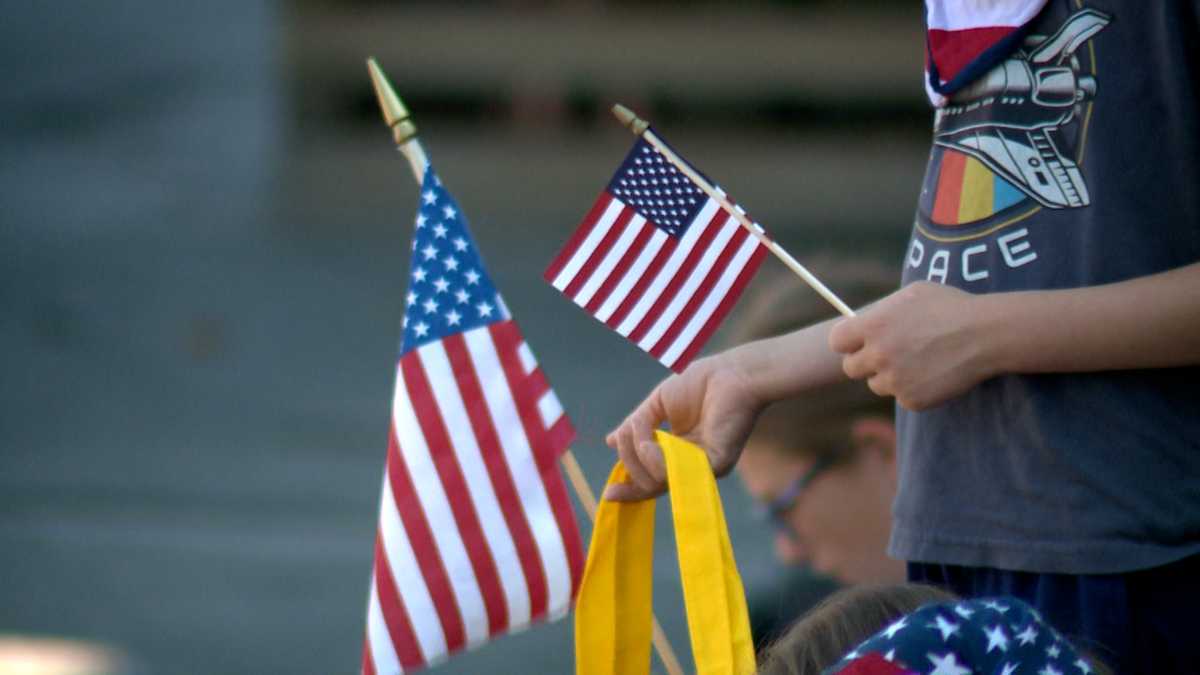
(824, 464)
(831, 508)
(841, 622)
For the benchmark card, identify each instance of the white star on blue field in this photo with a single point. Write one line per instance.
(653, 187)
(449, 291)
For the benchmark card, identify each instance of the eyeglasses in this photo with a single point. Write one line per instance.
(777, 509)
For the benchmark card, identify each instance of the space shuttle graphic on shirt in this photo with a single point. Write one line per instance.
(1007, 118)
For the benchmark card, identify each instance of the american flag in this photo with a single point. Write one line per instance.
(477, 536)
(966, 39)
(1004, 636)
(656, 259)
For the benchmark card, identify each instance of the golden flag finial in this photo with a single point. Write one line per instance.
(394, 112)
(627, 117)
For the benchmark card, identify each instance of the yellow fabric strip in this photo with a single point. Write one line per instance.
(613, 612)
(718, 622)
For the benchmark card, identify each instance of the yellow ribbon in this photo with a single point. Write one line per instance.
(613, 610)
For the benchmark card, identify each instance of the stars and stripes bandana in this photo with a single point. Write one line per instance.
(966, 38)
(656, 259)
(996, 636)
(477, 536)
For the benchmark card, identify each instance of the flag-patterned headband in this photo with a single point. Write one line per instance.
(998, 635)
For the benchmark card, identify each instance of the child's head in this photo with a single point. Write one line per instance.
(825, 634)
(909, 626)
(841, 436)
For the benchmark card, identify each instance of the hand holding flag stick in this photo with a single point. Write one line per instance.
(399, 638)
(641, 128)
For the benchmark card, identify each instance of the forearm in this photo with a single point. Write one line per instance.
(1148, 322)
(786, 365)
(715, 401)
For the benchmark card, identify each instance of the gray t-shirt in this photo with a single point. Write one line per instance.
(1072, 163)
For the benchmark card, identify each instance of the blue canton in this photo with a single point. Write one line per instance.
(997, 635)
(649, 184)
(449, 291)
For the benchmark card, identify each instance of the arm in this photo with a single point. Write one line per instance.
(715, 401)
(786, 365)
(927, 343)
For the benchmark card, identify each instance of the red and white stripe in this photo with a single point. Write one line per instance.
(477, 536)
(960, 30)
(666, 294)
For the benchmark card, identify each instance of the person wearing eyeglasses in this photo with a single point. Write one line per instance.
(823, 466)
(830, 507)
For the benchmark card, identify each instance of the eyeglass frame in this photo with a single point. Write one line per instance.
(777, 508)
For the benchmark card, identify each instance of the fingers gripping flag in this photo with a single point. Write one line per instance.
(656, 259)
(476, 533)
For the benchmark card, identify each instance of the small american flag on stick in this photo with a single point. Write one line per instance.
(476, 536)
(656, 259)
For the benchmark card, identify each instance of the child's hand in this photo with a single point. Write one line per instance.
(919, 344)
(709, 404)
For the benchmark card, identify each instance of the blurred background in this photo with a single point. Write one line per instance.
(204, 231)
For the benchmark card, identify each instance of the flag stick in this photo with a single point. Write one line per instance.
(640, 127)
(404, 131)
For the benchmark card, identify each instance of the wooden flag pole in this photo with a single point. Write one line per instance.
(640, 127)
(404, 131)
